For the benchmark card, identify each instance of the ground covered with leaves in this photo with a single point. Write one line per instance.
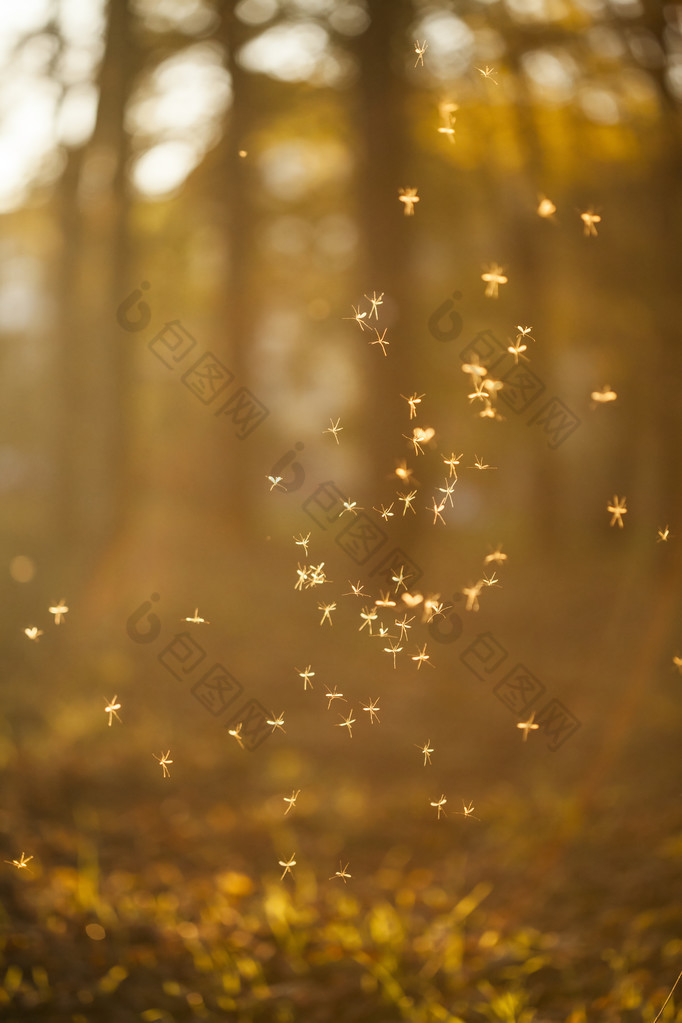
(166, 904)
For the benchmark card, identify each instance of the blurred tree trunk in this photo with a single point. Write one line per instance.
(528, 236)
(388, 238)
(68, 373)
(665, 361)
(234, 207)
(94, 362)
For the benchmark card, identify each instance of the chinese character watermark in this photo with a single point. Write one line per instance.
(215, 688)
(521, 385)
(207, 378)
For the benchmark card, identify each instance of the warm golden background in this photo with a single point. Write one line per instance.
(244, 161)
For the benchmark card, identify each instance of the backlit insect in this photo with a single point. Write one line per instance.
(617, 509)
(440, 803)
(589, 219)
(493, 278)
(195, 619)
(59, 610)
(467, 811)
(605, 395)
(427, 750)
(488, 73)
(342, 873)
(409, 197)
(23, 863)
(420, 49)
(163, 762)
(546, 207)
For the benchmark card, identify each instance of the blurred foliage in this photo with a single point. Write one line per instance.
(171, 908)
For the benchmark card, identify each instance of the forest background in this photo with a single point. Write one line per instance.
(197, 197)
